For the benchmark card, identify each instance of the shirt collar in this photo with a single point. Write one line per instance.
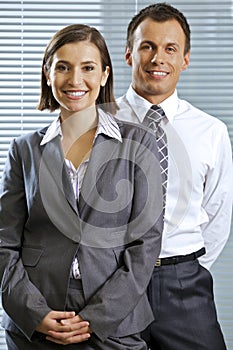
(106, 125)
(140, 105)
(53, 131)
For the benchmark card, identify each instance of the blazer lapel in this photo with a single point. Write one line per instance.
(56, 191)
(102, 152)
(68, 190)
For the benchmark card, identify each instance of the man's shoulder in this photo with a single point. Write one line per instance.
(122, 103)
(126, 111)
(121, 99)
(187, 109)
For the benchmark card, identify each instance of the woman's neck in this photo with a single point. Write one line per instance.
(77, 125)
(78, 132)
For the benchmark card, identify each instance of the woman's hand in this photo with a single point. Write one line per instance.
(63, 327)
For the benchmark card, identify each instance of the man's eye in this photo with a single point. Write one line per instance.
(88, 68)
(146, 47)
(171, 49)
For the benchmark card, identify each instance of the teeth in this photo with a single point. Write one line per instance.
(75, 93)
(159, 73)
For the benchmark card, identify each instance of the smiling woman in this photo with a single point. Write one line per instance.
(86, 175)
(80, 68)
(76, 77)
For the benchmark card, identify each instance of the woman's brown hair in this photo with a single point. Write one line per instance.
(71, 34)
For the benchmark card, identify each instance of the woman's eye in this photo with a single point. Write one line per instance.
(62, 68)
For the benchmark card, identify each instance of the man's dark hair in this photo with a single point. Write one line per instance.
(159, 12)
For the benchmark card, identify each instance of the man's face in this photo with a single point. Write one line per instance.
(157, 58)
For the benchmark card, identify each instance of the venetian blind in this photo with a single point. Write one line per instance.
(27, 25)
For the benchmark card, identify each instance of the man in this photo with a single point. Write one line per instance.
(199, 188)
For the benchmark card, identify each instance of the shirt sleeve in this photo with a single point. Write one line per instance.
(217, 200)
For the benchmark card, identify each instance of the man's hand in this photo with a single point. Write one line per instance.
(63, 327)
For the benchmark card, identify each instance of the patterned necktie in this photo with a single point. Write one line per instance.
(152, 120)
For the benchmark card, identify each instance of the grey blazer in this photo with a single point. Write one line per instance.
(115, 230)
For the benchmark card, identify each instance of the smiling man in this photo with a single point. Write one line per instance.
(157, 55)
(199, 183)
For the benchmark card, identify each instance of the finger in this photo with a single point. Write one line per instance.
(58, 327)
(58, 315)
(67, 331)
(78, 327)
(70, 340)
(74, 320)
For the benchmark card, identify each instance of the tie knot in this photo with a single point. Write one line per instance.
(156, 113)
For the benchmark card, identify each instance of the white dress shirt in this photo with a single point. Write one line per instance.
(106, 125)
(200, 178)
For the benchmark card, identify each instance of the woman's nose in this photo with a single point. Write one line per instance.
(75, 77)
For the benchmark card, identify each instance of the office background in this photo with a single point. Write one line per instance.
(27, 25)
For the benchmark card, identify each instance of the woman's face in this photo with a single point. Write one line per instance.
(76, 76)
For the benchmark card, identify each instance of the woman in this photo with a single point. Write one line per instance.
(79, 230)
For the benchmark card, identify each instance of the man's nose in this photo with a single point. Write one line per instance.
(158, 57)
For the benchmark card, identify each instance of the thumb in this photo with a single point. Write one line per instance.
(62, 314)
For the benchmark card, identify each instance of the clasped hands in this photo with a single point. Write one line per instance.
(64, 327)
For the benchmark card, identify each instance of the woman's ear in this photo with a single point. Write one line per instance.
(46, 76)
(105, 76)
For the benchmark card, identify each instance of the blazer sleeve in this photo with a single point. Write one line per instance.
(18, 293)
(121, 293)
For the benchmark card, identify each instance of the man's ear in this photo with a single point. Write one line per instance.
(128, 56)
(186, 61)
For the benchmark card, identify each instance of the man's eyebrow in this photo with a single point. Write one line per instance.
(148, 42)
(172, 43)
(89, 62)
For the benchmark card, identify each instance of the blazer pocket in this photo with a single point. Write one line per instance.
(31, 255)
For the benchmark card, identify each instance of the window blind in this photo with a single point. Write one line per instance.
(27, 25)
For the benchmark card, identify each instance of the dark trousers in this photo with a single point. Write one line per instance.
(181, 296)
(75, 302)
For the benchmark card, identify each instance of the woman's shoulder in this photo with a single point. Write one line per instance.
(32, 134)
(135, 130)
(31, 138)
